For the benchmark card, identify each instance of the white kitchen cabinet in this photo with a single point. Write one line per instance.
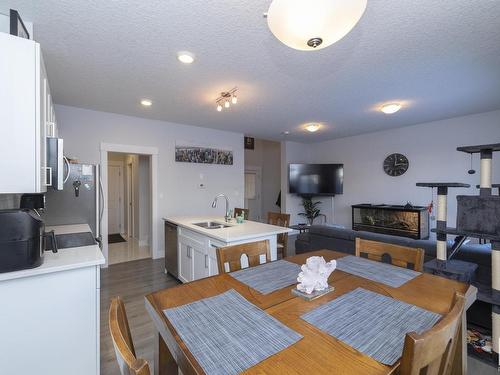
(200, 263)
(49, 319)
(185, 261)
(213, 268)
(197, 247)
(26, 115)
(194, 261)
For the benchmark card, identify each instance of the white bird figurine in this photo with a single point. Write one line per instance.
(314, 275)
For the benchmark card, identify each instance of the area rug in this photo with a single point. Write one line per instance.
(116, 238)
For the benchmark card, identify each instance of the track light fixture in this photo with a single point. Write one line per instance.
(226, 98)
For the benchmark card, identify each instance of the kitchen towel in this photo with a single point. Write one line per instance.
(227, 334)
(376, 271)
(371, 323)
(269, 277)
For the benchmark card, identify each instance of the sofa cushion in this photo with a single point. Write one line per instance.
(327, 231)
(322, 237)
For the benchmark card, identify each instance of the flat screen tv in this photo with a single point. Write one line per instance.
(316, 179)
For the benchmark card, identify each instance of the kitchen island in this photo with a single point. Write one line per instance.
(197, 242)
(49, 320)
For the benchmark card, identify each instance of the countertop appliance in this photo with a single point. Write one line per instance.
(80, 202)
(22, 239)
(171, 249)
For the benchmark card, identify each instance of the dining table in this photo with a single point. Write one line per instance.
(317, 352)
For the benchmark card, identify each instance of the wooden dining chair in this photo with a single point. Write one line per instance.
(232, 255)
(281, 220)
(401, 256)
(122, 341)
(240, 211)
(431, 352)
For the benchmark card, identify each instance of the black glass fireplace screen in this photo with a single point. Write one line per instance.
(412, 222)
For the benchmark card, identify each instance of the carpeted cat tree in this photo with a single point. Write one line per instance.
(477, 217)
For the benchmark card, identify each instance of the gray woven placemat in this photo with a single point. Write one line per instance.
(269, 277)
(376, 271)
(371, 323)
(227, 334)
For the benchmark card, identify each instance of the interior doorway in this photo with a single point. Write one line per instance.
(115, 197)
(128, 206)
(253, 193)
(262, 178)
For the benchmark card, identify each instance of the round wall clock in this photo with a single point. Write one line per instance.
(396, 164)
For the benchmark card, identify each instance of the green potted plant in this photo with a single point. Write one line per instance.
(311, 210)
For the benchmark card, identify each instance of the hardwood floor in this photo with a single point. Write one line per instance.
(132, 281)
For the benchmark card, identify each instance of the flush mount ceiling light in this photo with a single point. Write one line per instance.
(390, 108)
(308, 25)
(146, 102)
(226, 98)
(312, 127)
(185, 57)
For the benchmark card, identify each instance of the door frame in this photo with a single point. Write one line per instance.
(130, 201)
(119, 164)
(152, 152)
(258, 191)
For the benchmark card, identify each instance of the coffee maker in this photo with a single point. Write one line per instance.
(22, 235)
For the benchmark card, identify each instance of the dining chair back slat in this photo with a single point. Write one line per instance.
(401, 256)
(232, 255)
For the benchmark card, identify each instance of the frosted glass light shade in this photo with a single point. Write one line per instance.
(297, 22)
(390, 108)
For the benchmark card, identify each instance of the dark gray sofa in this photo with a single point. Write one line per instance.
(341, 239)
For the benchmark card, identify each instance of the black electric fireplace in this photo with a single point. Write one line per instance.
(404, 221)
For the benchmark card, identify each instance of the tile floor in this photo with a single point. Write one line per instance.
(127, 251)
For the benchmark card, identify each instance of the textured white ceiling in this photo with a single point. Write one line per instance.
(440, 57)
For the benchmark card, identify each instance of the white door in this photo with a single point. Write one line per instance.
(253, 189)
(115, 199)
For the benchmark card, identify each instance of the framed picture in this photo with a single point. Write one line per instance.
(17, 27)
(249, 143)
(204, 155)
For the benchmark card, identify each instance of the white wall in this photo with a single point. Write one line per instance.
(266, 155)
(431, 150)
(178, 183)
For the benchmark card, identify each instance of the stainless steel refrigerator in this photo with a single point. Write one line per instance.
(80, 201)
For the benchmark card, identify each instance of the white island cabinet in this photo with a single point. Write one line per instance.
(49, 315)
(196, 246)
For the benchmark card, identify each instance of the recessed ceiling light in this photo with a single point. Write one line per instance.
(312, 127)
(390, 108)
(146, 102)
(185, 57)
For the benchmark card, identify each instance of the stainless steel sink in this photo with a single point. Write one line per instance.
(211, 225)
